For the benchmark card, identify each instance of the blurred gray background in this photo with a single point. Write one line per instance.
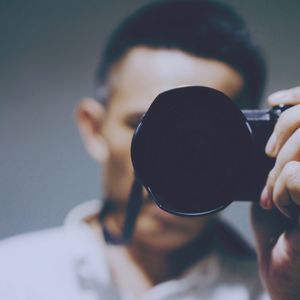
(48, 55)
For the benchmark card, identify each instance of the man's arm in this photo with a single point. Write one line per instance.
(276, 226)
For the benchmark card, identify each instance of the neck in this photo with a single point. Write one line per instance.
(159, 265)
(156, 264)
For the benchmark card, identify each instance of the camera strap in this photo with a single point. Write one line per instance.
(133, 208)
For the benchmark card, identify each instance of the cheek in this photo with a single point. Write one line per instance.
(118, 169)
(119, 145)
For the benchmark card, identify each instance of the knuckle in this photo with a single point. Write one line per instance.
(282, 122)
(271, 177)
(296, 92)
(291, 168)
(276, 197)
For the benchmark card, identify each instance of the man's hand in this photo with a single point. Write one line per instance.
(277, 230)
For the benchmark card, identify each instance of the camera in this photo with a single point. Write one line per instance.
(195, 151)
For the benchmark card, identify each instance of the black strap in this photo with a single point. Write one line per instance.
(132, 210)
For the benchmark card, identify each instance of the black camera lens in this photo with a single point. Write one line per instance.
(185, 150)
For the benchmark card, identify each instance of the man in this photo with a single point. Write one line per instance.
(163, 46)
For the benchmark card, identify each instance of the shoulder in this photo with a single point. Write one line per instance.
(48, 264)
(45, 245)
(29, 241)
(54, 246)
(25, 259)
(31, 258)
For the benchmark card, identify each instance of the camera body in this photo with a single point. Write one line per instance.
(196, 152)
(261, 125)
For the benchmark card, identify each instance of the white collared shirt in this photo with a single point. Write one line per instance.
(69, 263)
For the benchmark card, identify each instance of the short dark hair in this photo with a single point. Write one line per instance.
(203, 28)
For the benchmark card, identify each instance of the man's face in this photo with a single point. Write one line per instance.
(134, 83)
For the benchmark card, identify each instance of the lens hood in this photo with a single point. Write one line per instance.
(195, 151)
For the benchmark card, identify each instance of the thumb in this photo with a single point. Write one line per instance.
(267, 225)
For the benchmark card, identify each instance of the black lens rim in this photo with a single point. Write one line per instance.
(137, 164)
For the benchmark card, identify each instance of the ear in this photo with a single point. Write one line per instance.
(90, 117)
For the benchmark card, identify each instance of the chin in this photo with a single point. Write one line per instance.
(163, 243)
(163, 239)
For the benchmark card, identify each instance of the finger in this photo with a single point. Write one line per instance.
(290, 96)
(289, 152)
(286, 193)
(266, 199)
(286, 125)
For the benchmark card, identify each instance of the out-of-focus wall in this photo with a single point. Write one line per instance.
(48, 54)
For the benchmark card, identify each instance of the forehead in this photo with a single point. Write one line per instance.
(143, 73)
